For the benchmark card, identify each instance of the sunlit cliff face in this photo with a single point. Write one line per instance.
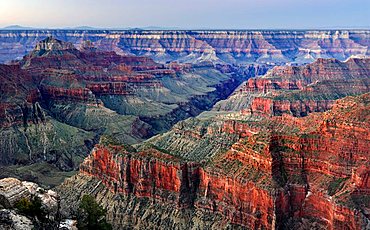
(270, 177)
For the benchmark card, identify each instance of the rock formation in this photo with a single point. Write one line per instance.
(282, 172)
(12, 191)
(301, 90)
(288, 150)
(259, 46)
(10, 220)
(58, 100)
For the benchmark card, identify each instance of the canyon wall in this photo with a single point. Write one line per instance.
(282, 172)
(300, 90)
(250, 46)
(267, 157)
(58, 100)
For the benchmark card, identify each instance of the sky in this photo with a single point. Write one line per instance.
(187, 14)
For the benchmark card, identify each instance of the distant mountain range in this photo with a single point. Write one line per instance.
(17, 27)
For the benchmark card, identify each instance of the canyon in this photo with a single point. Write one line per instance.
(57, 101)
(282, 172)
(250, 162)
(263, 129)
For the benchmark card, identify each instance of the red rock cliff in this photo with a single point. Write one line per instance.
(282, 170)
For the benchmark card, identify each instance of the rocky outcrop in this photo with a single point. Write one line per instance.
(51, 44)
(171, 181)
(10, 220)
(300, 90)
(259, 46)
(144, 174)
(20, 210)
(13, 190)
(297, 108)
(324, 69)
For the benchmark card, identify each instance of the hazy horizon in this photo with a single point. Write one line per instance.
(83, 27)
(190, 14)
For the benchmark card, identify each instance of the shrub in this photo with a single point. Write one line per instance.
(91, 215)
(31, 207)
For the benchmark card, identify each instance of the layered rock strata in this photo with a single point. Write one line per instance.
(17, 196)
(300, 90)
(282, 172)
(58, 100)
(251, 46)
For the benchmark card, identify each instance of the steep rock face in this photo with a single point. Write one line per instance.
(143, 174)
(17, 88)
(197, 46)
(172, 181)
(282, 172)
(300, 90)
(132, 212)
(298, 108)
(240, 202)
(28, 134)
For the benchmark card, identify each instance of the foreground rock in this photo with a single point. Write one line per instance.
(10, 220)
(12, 190)
(14, 193)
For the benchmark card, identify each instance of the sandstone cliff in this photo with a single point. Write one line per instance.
(300, 90)
(282, 172)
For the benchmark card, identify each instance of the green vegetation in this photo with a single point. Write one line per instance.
(147, 146)
(30, 207)
(109, 140)
(91, 215)
(336, 185)
(310, 136)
